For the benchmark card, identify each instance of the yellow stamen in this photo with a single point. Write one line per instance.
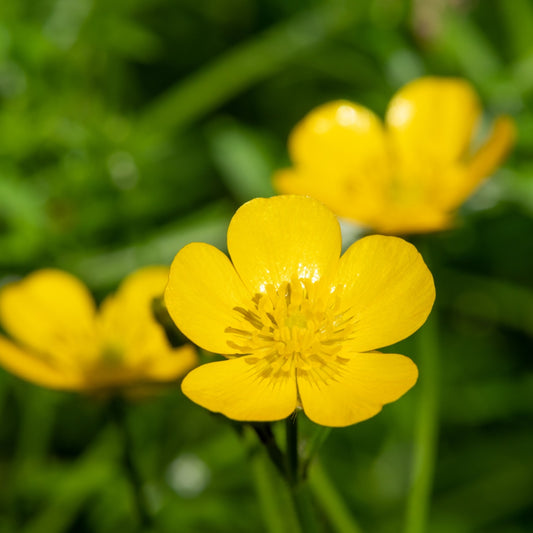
(293, 328)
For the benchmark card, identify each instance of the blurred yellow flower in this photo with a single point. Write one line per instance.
(298, 323)
(61, 341)
(407, 176)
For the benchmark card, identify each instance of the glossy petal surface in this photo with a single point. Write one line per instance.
(356, 389)
(388, 289)
(277, 239)
(239, 389)
(201, 295)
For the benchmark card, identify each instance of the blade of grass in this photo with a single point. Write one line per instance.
(513, 303)
(426, 429)
(330, 502)
(247, 64)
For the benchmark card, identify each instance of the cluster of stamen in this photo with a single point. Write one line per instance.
(295, 326)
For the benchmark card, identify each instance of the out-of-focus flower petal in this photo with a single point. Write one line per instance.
(49, 311)
(41, 371)
(433, 119)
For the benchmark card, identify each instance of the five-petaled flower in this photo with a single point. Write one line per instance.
(408, 176)
(298, 324)
(61, 341)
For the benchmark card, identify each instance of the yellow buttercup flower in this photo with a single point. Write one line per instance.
(298, 323)
(60, 340)
(407, 176)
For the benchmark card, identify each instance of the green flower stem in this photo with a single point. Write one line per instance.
(319, 438)
(303, 505)
(300, 495)
(426, 430)
(118, 413)
(330, 501)
(270, 489)
(304, 493)
(266, 436)
(291, 427)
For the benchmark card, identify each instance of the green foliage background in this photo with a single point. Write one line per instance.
(130, 128)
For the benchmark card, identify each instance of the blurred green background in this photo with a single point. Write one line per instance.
(129, 128)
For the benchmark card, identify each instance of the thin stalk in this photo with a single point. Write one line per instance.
(118, 413)
(266, 436)
(319, 438)
(426, 430)
(291, 427)
(303, 505)
(269, 488)
(299, 491)
(330, 501)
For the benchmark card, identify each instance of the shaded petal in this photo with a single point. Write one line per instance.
(50, 311)
(342, 158)
(202, 292)
(457, 182)
(356, 388)
(359, 197)
(433, 119)
(412, 219)
(272, 240)
(140, 288)
(239, 389)
(165, 365)
(33, 368)
(388, 289)
(338, 136)
(129, 331)
(291, 181)
(172, 364)
(487, 159)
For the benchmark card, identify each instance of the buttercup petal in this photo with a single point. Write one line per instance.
(356, 388)
(339, 135)
(341, 157)
(172, 364)
(290, 181)
(202, 292)
(140, 288)
(50, 311)
(433, 119)
(387, 288)
(127, 324)
(129, 321)
(162, 366)
(403, 220)
(33, 368)
(272, 240)
(239, 389)
(487, 159)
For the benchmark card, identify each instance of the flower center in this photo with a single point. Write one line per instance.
(296, 325)
(112, 355)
